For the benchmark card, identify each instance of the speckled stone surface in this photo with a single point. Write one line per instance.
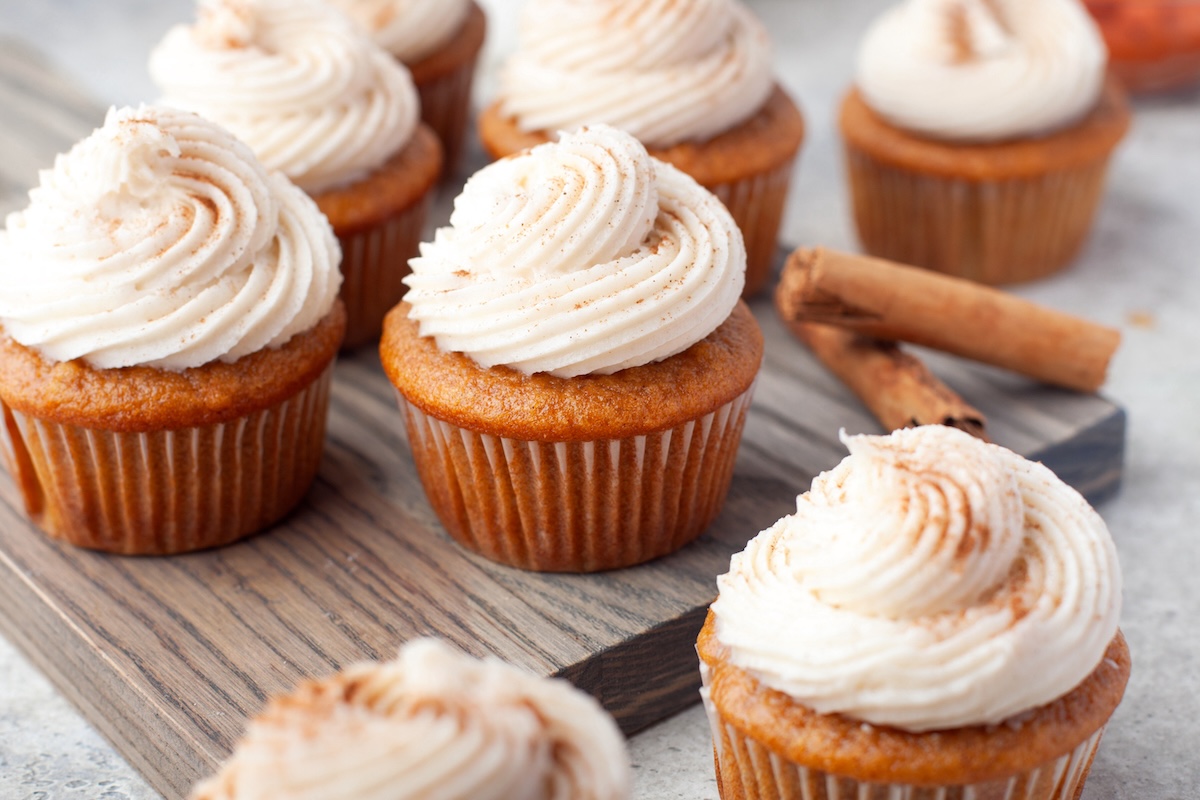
(1140, 272)
(47, 750)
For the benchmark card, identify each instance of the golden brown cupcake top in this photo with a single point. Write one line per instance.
(1076, 147)
(431, 724)
(759, 144)
(133, 399)
(541, 407)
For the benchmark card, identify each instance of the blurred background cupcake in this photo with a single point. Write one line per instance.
(978, 133)
(439, 41)
(316, 99)
(432, 723)
(170, 322)
(572, 358)
(937, 619)
(692, 81)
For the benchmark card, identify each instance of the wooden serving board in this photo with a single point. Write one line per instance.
(169, 656)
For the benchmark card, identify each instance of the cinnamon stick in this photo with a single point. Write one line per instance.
(885, 300)
(895, 386)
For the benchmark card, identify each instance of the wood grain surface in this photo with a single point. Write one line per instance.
(169, 656)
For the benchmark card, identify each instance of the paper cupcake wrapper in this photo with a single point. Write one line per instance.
(374, 262)
(992, 231)
(445, 107)
(169, 491)
(756, 203)
(747, 770)
(577, 506)
(750, 771)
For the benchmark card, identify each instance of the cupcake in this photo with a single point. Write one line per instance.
(168, 326)
(572, 358)
(433, 723)
(978, 135)
(317, 100)
(937, 619)
(439, 41)
(692, 81)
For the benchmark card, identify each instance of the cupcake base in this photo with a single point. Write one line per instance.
(577, 506)
(579, 474)
(767, 745)
(150, 462)
(995, 213)
(749, 168)
(443, 80)
(378, 222)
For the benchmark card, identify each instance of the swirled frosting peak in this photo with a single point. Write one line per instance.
(431, 724)
(663, 70)
(160, 240)
(580, 256)
(296, 80)
(982, 69)
(408, 29)
(929, 581)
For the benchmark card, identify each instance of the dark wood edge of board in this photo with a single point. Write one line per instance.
(1075, 461)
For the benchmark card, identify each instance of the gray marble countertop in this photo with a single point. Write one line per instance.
(1139, 272)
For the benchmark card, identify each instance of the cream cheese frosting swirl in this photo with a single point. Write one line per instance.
(296, 80)
(929, 581)
(431, 724)
(161, 241)
(663, 70)
(982, 69)
(580, 256)
(408, 29)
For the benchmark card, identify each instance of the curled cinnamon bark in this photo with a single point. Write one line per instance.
(890, 301)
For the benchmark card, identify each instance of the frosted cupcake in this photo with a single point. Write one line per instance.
(572, 359)
(433, 723)
(169, 324)
(978, 135)
(692, 81)
(317, 100)
(439, 41)
(937, 619)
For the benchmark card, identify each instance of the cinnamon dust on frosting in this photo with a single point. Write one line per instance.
(580, 256)
(929, 581)
(161, 241)
(431, 723)
(408, 29)
(665, 71)
(982, 69)
(296, 80)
